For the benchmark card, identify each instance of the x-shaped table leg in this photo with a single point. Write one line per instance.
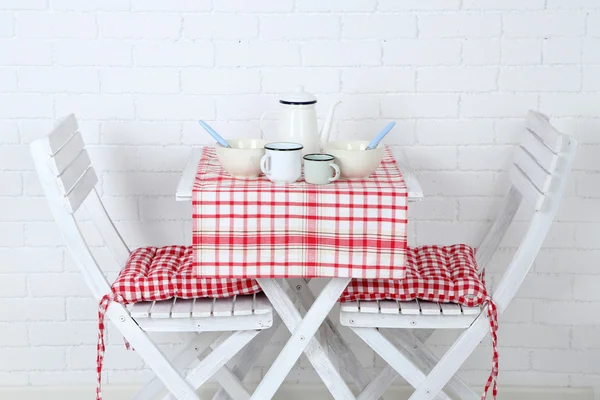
(333, 338)
(249, 355)
(303, 340)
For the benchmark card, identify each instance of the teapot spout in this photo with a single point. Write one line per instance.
(328, 122)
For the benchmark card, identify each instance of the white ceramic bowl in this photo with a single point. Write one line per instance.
(242, 160)
(354, 160)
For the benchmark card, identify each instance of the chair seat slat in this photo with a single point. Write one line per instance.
(243, 305)
(261, 304)
(450, 309)
(430, 308)
(350, 306)
(162, 309)
(470, 310)
(223, 307)
(141, 309)
(371, 307)
(389, 307)
(409, 307)
(202, 307)
(182, 308)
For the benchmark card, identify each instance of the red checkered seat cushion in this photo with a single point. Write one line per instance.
(161, 273)
(442, 274)
(446, 274)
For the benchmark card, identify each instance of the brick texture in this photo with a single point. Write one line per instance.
(456, 75)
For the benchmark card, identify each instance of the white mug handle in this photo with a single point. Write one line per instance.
(337, 172)
(263, 164)
(262, 120)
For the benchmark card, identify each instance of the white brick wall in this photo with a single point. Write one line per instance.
(456, 75)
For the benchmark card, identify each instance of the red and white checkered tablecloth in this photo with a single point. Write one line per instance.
(257, 229)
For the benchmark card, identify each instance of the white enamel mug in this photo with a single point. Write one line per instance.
(318, 169)
(282, 162)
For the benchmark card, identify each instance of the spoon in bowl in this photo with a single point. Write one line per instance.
(214, 134)
(380, 136)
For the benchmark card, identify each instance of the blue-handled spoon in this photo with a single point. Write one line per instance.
(214, 134)
(380, 136)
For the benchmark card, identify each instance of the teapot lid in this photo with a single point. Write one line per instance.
(298, 97)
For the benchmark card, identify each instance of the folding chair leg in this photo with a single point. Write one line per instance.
(303, 338)
(386, 350)
(150, 353)
(453, 359)
(193, 350)
(224, 376)
(250, 354)
(334, 339)
(426, 360)
(231, 381)
(379, 385)
(219, 357)
(232, 384)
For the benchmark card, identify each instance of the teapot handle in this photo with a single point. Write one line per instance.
(262, 120)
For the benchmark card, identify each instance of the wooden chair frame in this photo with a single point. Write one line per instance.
(68, 181)
(538, 175)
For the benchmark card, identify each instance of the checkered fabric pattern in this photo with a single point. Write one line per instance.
(443, 274)
(446, 274)
(255, 228)
(161, 273)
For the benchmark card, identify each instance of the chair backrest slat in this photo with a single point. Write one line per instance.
(527, 188)
(80, 191)
(536, 174)
(62, 133)
(66, 158)
(67, 154)
(75, 171)
(539, 151)
(539, 125)
(537, 159)
(68, 180)
(537, 230)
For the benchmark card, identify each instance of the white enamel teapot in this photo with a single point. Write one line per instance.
(298, 121)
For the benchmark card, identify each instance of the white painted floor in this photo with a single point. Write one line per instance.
(287, 392)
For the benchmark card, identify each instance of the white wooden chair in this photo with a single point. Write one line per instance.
(68, 181)
(538, 176)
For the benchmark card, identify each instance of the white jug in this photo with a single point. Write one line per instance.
(298, 121)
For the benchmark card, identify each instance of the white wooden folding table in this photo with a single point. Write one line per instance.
(328, 349)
